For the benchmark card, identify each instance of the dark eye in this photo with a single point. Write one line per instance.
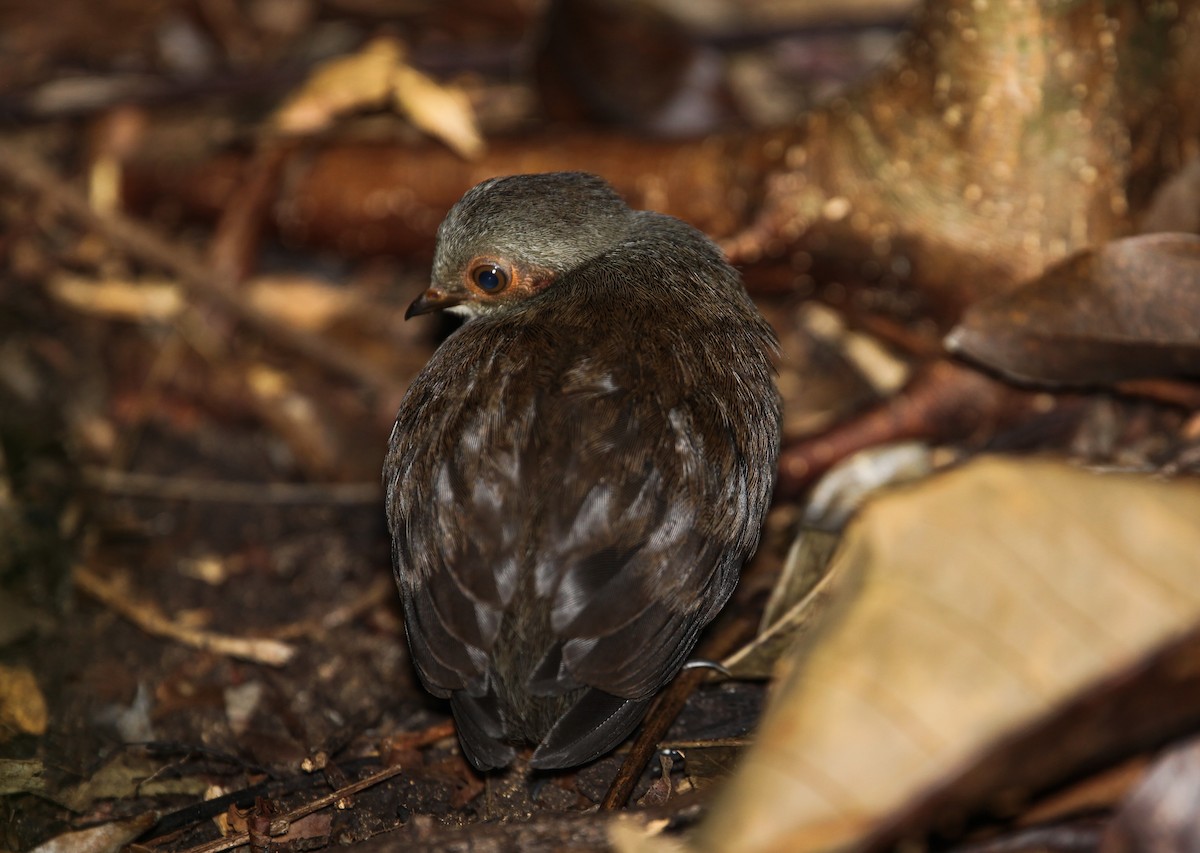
(490, 278)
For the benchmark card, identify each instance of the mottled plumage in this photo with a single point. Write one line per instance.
(577, 476)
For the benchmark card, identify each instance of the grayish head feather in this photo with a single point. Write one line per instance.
(555, 221)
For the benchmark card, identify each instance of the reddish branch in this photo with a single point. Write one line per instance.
(944, 402)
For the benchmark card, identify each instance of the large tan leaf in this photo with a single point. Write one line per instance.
(1003, 599)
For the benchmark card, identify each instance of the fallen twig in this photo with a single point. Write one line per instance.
(152, 621)
(383, 589)
(279, 825)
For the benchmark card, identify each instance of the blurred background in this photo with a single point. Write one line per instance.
(213, 214)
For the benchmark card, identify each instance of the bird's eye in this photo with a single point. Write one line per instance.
(490, 278)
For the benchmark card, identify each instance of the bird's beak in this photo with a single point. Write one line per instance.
(432, 299)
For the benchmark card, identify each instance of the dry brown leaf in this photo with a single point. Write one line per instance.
(706, 762)
(22, 705)
(443, 111)
(127, 774)
(361, 80)
(1128, 309)
(376, 76)
(106, 838)
(22, 776)
(972, 606)
(1176, 203)
(810, 590)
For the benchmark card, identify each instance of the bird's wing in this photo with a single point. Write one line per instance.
(454, 478)
(652, 503)
(634, 504)
(644, 528)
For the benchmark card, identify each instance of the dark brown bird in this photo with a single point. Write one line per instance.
(576, 477)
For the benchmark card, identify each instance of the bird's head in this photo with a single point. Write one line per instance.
(509, 238)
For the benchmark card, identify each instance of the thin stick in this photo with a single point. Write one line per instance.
(279, 824)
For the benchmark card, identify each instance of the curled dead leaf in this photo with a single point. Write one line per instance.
(361, 80)
(22, 705)
(1129, 309)
(22, 776)
(377, 76)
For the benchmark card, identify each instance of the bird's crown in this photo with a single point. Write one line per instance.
(510, 237)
